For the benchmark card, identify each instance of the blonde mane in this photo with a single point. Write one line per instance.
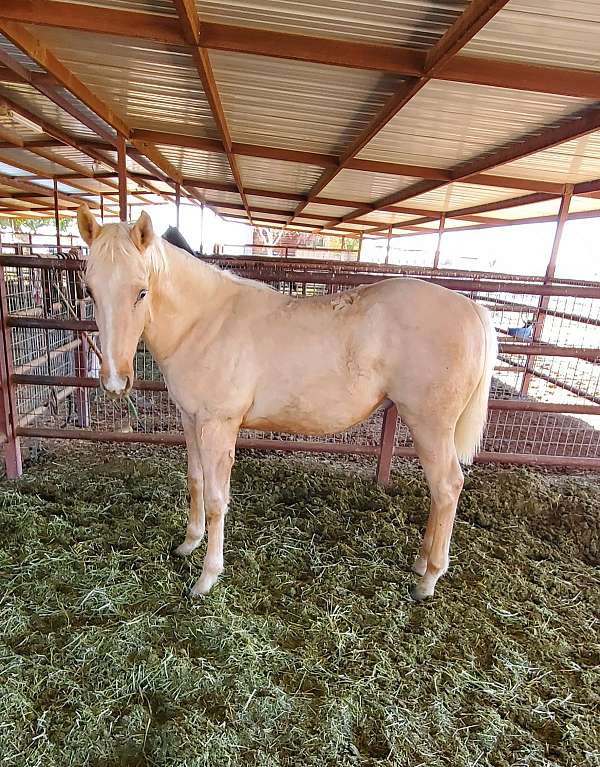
(114, 241)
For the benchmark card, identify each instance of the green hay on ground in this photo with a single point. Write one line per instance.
(309, 651)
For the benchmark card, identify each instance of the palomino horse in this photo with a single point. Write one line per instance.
(235, 353)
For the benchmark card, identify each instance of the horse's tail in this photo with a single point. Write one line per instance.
(469, 429)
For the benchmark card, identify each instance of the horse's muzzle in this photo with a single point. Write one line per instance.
(115, 385)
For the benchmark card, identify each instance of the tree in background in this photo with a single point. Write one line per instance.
(33, 225)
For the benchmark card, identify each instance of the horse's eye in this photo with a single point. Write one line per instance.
(142, 294)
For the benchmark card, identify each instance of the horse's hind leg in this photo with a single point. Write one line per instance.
(436, 451)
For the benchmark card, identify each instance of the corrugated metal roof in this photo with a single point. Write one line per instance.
(33, 100)
(7, 48)
(571, 162)
(455, 196)
(30, 163)
(382, 216)
(162, 7)
(448, 123)
(193, 163)
(69, 154)
(11, 124)
(221, 197)
(548, 208)
(152, 85)
(318, 108)
(277, 175)
(364, 187)
(414, 23)
(551, 32)
(579, 204)
(297, 105)
(267, 202)
(333, 211)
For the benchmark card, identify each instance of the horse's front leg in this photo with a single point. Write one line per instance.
(216, 443)
(195, 526)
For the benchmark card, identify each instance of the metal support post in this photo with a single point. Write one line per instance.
(544, 301)
(438, 247)
(8, 410)
(122, 170)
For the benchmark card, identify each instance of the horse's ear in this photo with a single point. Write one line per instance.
(89, 228)
(142, 232)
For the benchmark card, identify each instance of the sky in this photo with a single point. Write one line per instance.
(523, 249)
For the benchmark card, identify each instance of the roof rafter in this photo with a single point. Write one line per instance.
(61, 138)
(345, 53)
(190, 21)
(36, 189)
(45, 59)
(320, 160)
(37, 51)
(472, 19)
(579, 124)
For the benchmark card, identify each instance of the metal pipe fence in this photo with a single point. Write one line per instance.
(50, 375)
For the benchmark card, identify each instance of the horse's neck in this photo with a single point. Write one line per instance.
(182, 293)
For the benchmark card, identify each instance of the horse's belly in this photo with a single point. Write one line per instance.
(299, 415)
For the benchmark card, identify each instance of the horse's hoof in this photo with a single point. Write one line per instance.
(185, 549)
(204, 584)
(419, 594)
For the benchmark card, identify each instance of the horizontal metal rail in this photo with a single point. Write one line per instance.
(373, 267)
(166, 438)
(577, 391)
(510, 306)
(317, 264)
(30, 379)
(523, 348)
(291, 273)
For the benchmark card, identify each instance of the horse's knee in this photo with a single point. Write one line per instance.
(215, 508)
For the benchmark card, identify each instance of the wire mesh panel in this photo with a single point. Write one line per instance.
(557, 415)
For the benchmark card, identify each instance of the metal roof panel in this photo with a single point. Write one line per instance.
(449, 123)
(295, 104)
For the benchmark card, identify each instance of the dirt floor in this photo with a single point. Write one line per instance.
(309, 651)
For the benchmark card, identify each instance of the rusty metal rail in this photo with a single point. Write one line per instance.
(525, 423)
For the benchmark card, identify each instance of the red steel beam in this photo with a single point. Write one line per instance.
(190, 22)
(122, 167)
(37, 51)
(326, 161)
(579, 124)
(471, 21)
(544, 301)
(344, 53)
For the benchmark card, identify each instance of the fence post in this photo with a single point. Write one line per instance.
(544, 302)
(386, 445)
(8, 410)
(438, 247)
(387, 249)
(82, 402)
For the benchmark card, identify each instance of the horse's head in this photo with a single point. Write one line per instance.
(122, 261)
